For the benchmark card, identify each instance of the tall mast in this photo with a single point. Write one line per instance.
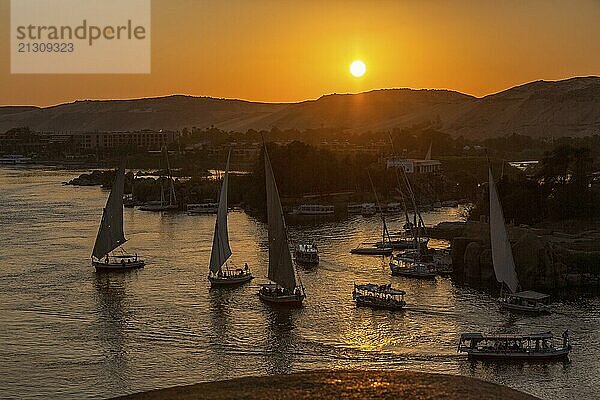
(413, 200)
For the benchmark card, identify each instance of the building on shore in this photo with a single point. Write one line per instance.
(414, 166)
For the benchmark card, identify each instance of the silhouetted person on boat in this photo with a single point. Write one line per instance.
(565, 336)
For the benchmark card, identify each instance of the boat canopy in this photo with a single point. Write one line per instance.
(476, 336)
(306, 248)
(385, 289)
(531, 295)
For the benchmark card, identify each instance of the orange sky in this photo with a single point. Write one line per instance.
(274, 50)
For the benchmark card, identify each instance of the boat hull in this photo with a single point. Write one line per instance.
(118, 266)
(158, 208)
(540, 309)
(366, 301)
(282, 300)
(230, 280)
(372, 251)
(409, 273)
(557, 354)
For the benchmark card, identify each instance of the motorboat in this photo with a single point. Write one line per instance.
(378, 296)
(527, 301)
(416, 269)
(313, 210)
(15, 159)
(533, 347)
(306, 253)
(202, 208)
(399, 243)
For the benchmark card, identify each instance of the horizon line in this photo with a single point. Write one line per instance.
(293, 101)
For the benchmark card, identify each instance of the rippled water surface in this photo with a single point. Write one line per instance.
(67, 332)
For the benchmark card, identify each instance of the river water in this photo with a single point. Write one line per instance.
(68, 332)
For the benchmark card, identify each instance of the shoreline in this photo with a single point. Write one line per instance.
(346, 384)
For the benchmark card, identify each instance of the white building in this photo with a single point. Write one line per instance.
(414, 166)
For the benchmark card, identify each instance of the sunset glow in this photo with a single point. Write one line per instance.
(293, 51)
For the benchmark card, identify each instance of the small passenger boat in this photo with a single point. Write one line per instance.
(202, 208)
(313, 210)
(415, 269)
(306, 253)
(534, 347)
(527, 301)
(378, 296)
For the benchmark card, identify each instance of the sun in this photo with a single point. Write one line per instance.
(358, 68)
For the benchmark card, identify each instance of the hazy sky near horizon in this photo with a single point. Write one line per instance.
(283, 51)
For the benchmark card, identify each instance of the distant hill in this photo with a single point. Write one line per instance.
(569, 107)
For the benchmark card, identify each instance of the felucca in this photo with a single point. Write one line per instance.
(504, 263)
(221, 251)
(286, 290)
(110, 234)
(162, 205)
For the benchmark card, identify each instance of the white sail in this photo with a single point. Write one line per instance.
(220, 247)
(502, 257)
(110, 234)
(281, 268)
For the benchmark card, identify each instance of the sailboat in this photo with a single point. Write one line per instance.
(221, 251)
(504, 263)
(110, 234)
(382, 248)
(162, 205)
(286, 290)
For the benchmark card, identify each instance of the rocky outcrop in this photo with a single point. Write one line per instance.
(542, 261)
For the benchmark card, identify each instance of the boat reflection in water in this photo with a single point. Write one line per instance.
(111, 329)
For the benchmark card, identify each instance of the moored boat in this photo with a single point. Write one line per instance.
(286, 288)
(313, 210)
(110, 233)
(415, 269)
(202, 208)
(534, 347)
(370, 249)
(162, 205)
(15, 159)
(378, 296)
(403, 243)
